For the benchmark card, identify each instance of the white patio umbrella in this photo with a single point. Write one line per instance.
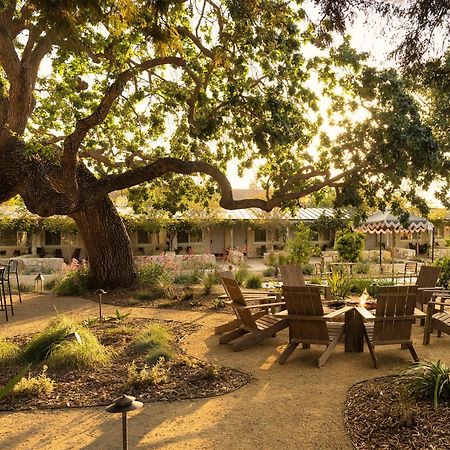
(385, 222)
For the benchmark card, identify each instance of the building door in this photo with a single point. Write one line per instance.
(217, 243)
(240, 238)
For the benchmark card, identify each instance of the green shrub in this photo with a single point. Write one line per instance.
(349, 244)
(148, 274)
(254, 282)
(121, 329)
(241, 274)
(72, 354)
(9, 353)
(186, 279)
(428, 381)
(159, 353)
(24, 288)
(208, 280)
(9, 386)
(40, 347)
(218, 303)
(360, 285)
(270, 271)
(165, 283)
(212, 372)
(34, 386)
(361, 267)
(271, 259)
(371, 285)
(73, 283)
(444, 276)
(283, 258)
(157, 374)
(301, 247)
(308, 269)
(155, 341)
(118, 317)
(340, 285)
(144, 294)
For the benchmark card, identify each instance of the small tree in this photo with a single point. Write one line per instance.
(444, 277)
(349, 244)
(300, 246)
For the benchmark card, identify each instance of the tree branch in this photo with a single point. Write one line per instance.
(303, 174)
(83, 126)
(198, 43)
(8, 55)
(166, 165)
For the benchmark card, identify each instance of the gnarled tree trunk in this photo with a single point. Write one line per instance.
(108, 246)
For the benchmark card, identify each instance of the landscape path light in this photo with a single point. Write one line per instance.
(39, 283)
(123, 405)
(100, 292)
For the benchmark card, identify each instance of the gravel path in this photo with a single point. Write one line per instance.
(295, 406)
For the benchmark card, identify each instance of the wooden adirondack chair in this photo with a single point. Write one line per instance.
(292, 275)
(437, 320)
(253, 327)
(307, 322)
(426, 284)
(410, 270)
(393, 320)
(263, 297)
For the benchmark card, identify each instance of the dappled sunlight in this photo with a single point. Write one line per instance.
(269, 362)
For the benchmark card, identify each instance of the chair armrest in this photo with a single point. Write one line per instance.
(419, 314)
(441, 292)
(262, 305)
(440, 303)
(338, 312)
(435, 288)
(269, 297)
(365, 313)
(252, 292)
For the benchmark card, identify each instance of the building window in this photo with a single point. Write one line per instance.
(195, 235)
(8, 237)
(142, 237)
(439, 231)
(277, 235)
(315, 236)
(183, 237)
(53, 238)
(186, 237)
(260, 235)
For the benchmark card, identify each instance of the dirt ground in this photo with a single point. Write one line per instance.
(295, 406)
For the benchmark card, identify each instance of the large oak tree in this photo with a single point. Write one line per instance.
(102, 95)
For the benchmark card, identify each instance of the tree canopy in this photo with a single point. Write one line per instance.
(135, 91)
(102, 95)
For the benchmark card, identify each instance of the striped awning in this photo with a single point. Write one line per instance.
(386, 222)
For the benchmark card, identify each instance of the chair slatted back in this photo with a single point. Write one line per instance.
(305, 301)
(13, 265)
(231, 287)
(292, 275)
(393, 304)
(428, 276)
(410, 267)
(234, 292)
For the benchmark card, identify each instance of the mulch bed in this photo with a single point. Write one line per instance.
(99, 386)
(378, 416)
(127, 298)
